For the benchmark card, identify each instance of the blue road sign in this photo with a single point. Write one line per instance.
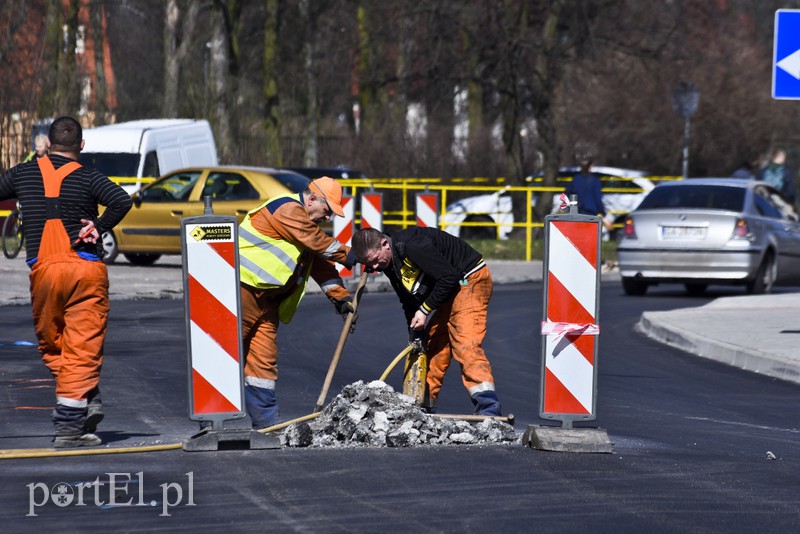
(786, 61)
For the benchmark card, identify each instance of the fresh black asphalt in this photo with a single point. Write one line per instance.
(691, 437)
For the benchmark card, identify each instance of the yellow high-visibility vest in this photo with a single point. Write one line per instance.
(267, 263)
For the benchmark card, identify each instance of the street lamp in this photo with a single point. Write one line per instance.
(684, 101)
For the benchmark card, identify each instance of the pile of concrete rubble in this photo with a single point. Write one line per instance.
(374, 415)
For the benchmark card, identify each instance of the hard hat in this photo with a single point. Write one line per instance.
(331, 191)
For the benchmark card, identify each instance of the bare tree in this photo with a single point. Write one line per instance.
(179, 36)
(272, 111)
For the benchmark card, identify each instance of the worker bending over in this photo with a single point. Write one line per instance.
(280, 246)
(442, 282)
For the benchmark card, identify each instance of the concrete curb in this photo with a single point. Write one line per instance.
(666, 328)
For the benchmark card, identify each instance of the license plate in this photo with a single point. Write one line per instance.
(683, 232)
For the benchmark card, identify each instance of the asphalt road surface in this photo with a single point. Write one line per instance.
(691, 437)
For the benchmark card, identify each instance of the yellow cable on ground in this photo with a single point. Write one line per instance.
(395, 362)
(11, 454)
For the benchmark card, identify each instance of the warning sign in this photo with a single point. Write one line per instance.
(211, 232)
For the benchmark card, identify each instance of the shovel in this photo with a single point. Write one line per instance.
(348, 323)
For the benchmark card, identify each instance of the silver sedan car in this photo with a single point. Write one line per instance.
(705, 231)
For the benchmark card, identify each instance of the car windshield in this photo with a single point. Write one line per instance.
(717, 197)
(296, 182)
(112, 164)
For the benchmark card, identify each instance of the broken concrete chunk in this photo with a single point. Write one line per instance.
(374, 415)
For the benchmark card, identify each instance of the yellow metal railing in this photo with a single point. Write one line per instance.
(405, 217)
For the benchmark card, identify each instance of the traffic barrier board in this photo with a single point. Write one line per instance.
(569, 327)
(426, 208)
(343, 230)
(213, 317)
(372, 210)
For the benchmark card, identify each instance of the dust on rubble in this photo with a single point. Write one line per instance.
(374, 415)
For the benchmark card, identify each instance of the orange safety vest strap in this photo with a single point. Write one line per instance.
(55, 240)
(52, 177)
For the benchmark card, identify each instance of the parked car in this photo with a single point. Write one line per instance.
(710, 231)
(153, 225)
(496, 208)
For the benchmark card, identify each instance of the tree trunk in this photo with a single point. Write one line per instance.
(179, 30)
(219, 87)
(68, 83)
(98, 37)
(272, 111)
(547, 70)
(311, 134)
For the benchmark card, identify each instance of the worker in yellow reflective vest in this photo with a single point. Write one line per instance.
(280, 246)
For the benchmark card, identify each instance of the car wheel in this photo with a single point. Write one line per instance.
(139, 258)
(695, 289)
(765, 276)
(479, 232)
(110, 248)
(632, 286)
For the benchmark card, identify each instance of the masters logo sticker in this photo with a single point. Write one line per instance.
(212, 232)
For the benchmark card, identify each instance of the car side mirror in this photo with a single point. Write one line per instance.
(137, 199)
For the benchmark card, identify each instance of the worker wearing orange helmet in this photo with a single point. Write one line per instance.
(69, 281)
(280, 246)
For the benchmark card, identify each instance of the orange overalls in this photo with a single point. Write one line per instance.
(456, 331)
(69, 296)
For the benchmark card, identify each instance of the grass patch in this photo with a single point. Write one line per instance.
(514, 249)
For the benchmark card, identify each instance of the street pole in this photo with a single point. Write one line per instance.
(686, 147)
(684, 101)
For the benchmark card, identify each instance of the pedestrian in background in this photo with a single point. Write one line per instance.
(39, 148)
(69, 281)
(778, 175)
(280, 246)
(445, 286)
(587, 186)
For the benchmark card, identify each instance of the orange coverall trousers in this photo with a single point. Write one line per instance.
(69, 297)
(456, 331)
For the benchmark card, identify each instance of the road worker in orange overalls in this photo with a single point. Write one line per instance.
(280, 247)
(69, 281)
(444, 287)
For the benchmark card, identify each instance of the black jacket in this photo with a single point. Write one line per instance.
(427, 266)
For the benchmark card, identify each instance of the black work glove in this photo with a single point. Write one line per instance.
(344, 307)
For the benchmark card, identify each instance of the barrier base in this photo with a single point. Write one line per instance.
(549, 438)
(210, 440)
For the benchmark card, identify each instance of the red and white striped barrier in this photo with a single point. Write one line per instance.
(570, 329)
(213, 326)
(343, 230)
(372, 210)
(427, 210)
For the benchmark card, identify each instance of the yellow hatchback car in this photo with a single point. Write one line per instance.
(153, 225)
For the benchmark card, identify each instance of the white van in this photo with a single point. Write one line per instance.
(136, 152)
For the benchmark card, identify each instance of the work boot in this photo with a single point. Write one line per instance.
(70, 424)
(486, 403)
(94, 413)
(262, 406)
(76, 440)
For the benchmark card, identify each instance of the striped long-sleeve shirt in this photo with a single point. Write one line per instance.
(81, 192)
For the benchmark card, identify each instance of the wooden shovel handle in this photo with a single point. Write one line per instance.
(348, 323)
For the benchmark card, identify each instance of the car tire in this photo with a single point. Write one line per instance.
(141, 258)
(765, 276)
(632, 286)
(478, 232)
(110, 248)
(696, 289)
